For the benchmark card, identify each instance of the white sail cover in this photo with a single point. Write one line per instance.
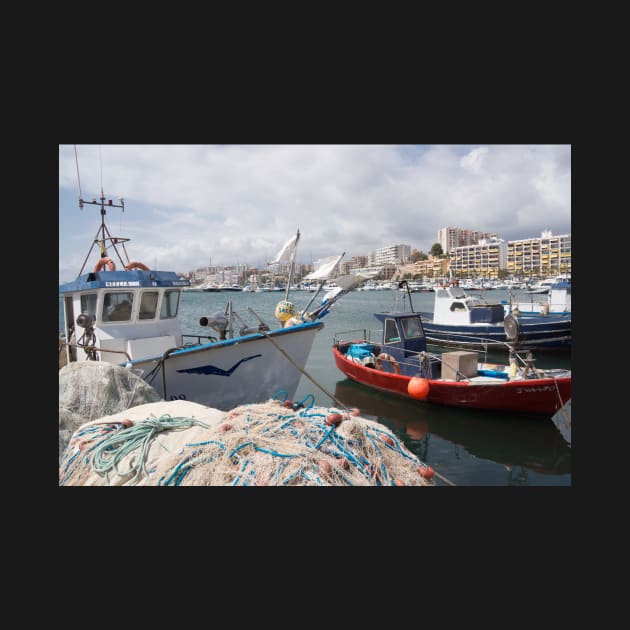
(324, 267)
(284, 255)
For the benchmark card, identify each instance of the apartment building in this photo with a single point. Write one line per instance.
(483, 260)
(392, 255)
(545, 256)
(450, 238)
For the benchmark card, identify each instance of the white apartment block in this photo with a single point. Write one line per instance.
(392, 255)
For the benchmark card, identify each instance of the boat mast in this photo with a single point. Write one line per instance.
(103, 234)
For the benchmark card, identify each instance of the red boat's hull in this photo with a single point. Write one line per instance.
(539, 395)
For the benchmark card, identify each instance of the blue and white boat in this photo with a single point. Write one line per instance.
(126, 314)
(471, 323)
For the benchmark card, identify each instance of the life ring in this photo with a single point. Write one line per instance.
(390, 359)
(136, 265)
(105, 262)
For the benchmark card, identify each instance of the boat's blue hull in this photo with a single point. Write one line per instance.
(537, 333)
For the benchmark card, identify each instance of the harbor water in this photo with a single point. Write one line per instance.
(466, 447)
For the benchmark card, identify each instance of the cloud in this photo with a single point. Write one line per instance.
(189, 204)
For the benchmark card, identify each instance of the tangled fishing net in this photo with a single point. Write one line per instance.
(272, 443)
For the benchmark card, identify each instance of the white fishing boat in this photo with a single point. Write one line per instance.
(124, 313)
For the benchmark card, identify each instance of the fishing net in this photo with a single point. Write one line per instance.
(252, 445)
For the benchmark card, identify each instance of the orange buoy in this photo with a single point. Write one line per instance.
(334, 419)
(418, 387)
(127, 423)
(426, 471)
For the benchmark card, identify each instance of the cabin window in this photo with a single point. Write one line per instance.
(169, 304)
(88, 304)
(391, 331)
(117, 306)
(411, 327)
(148, 305)
(457, 306)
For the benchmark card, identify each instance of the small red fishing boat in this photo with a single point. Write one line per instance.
(399, 363)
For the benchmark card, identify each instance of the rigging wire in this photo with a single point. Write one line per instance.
(78, 178)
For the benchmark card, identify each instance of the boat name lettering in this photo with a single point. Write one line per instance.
(543, 388)
(123, 283)
(180, 283)
(178, 397)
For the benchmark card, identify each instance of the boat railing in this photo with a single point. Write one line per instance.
(364, 334)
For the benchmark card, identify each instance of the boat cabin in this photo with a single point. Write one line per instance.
(116, 316)
(452, 306)
(403, 339)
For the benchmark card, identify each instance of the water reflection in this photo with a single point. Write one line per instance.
(521, 443)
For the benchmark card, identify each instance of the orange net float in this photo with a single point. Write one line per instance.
(426, 471)
(105, 261)
(136, 265)
(418, 388)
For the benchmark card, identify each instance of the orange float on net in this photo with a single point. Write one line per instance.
(325, 466)
(418, 387)
(426, 471)
(387, 440)
(334, 419)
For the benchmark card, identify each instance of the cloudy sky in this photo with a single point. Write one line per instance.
(187, 206)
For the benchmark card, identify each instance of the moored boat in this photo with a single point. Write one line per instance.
(129, 316)
(461, 321)
(398, 363)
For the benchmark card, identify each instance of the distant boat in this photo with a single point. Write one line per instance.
(398, 363)
(557, 301)
(460, 321)
(130, 317)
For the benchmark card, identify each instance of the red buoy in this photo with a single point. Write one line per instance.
(426, 471)
(418, 388)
